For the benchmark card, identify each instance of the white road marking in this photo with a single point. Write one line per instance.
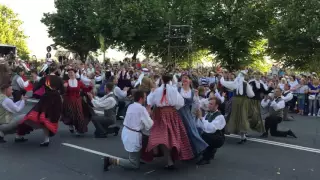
(149, 172)
(36, 101)
(90, 151)
(291, 146)
(279, 144)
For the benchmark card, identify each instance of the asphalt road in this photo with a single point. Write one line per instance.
(265, 160)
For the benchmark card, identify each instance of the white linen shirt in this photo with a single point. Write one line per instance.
(104, 102)
(174, 98)
(12, 107)
(211, 127)
(138, 119)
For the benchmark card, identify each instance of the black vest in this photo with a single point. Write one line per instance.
(210, 117)
(284, 95)
(244, 90)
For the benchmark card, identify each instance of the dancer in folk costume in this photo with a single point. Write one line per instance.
(144, 82)
(18, 84)
(191, 99)
(46, 113)
(212, 125)
(9, 109)
(124, 77)
(168, 132)
(136, 125)
(238, 123)
(72, 113)
(260, 89)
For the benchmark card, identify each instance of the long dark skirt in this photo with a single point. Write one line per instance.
(197, 143)
(45, 114)
(73, 114)
(254, 115)
(238, 122)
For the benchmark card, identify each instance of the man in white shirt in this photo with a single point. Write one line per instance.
(18, 85)
(275, 117)
(212, 126)
(8, 124)
(121, 97)
(287, 96)
(136, 123)
(105, 124)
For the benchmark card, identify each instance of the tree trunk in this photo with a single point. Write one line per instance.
(134, 57)
(83, 56)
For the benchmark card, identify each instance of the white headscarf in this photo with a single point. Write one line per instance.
(239, 82)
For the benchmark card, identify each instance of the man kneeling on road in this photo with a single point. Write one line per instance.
(109, 104)
(212, 126)
(136, 123)
(276, 107)
(8, 108)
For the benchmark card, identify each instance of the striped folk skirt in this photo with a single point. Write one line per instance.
(238, 122)
(73, 114)
(168, 130)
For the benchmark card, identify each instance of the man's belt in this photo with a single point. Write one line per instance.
(132, 129)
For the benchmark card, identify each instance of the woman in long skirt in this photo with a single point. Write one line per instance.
(238, 122)
(46, 113)
(191, 98)
(168, 132)
(72, 113)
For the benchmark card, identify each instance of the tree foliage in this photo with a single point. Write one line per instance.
(294, 34)
(69, 26)
(237, 32)
(230, 27)
(258, 56)
(11, 32)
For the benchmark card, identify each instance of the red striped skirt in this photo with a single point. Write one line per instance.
(168, 130)
(72, 114)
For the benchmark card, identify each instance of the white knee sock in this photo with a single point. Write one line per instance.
(243, 136)
(19, 137)
(46, 139)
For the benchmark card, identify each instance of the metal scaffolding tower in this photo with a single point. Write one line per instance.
(179, 43)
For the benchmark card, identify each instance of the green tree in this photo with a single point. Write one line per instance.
(294, 34)
(229, 28)
(129, 25)
(140, 25)
(11, 32)
(70, 28)
(258, 56)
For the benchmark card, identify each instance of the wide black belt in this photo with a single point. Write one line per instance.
(132, 129)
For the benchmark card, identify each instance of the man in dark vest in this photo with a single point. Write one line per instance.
(105, 124)
(18, 85)
(212, 126)
(276, 107)
(287, 96)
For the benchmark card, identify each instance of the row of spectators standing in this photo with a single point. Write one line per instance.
(305, 89)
